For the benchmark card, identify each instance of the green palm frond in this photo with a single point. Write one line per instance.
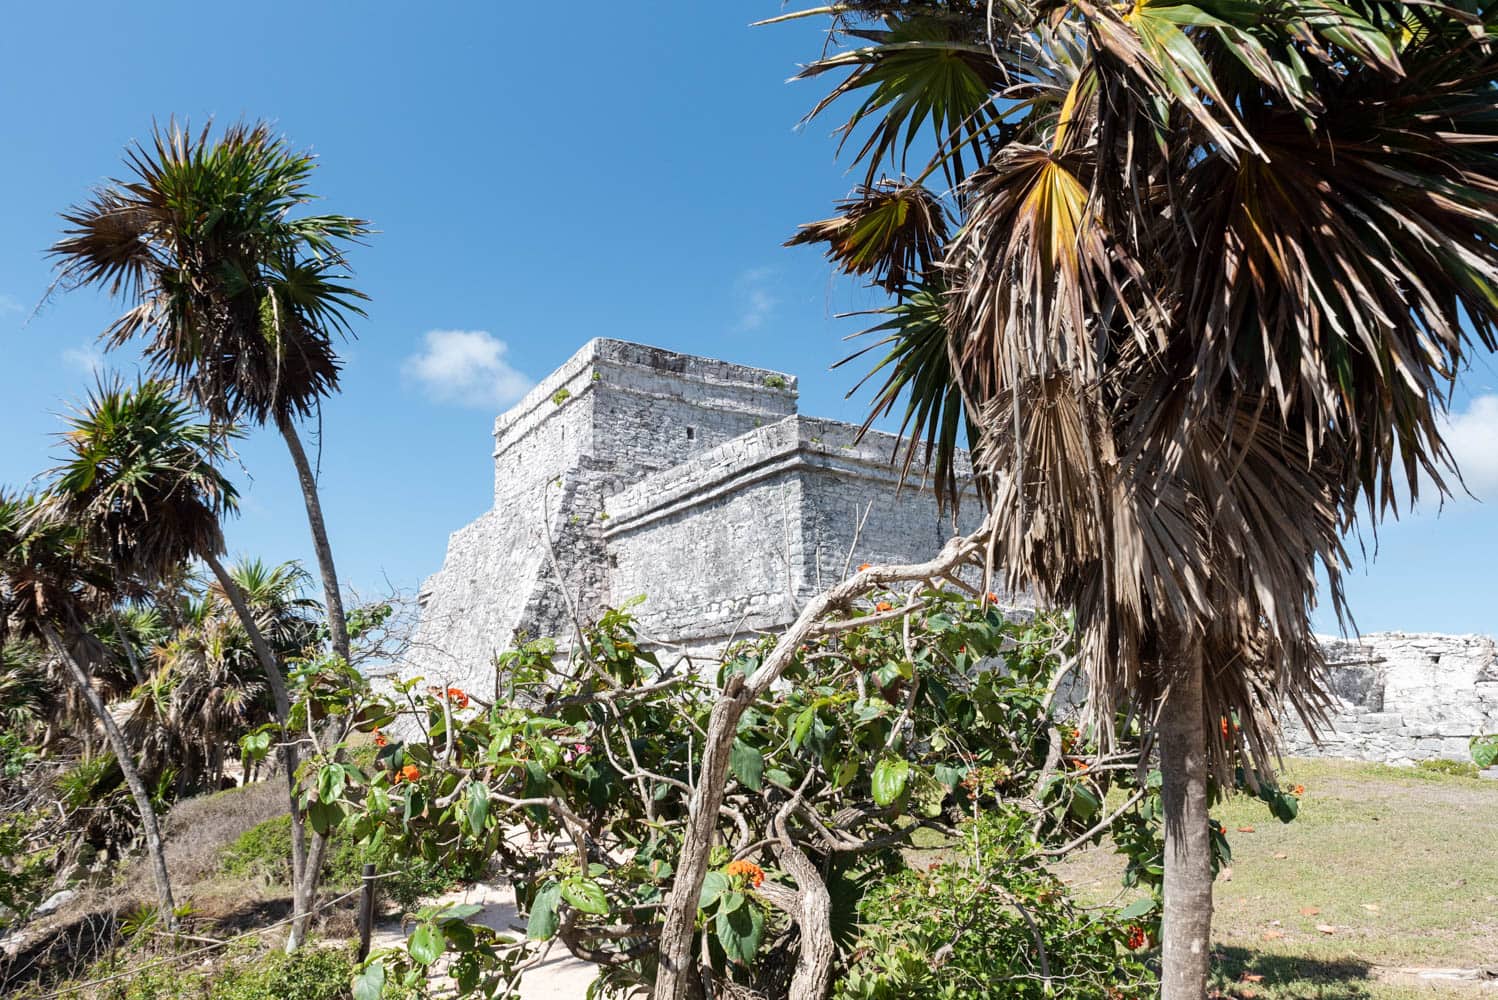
(140, 478)
(916, 368)
(925, 71)
(234, 298)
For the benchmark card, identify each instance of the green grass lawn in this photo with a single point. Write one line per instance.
(1401, 865)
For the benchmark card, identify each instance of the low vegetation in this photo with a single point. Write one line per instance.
(1383, 871)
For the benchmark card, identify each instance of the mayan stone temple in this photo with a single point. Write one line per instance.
(695, 483)
(690, 481)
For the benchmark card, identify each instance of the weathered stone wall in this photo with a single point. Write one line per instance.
(695, 483)
(1404, 697)
(689, 480)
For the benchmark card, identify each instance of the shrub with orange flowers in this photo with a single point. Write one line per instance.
(1137, 937)
(553, 754)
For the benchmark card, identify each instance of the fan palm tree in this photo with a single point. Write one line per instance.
(1196, 278)
(229, 294)
(26, 692)
(141, 478)
(52, 585)
(208, 690)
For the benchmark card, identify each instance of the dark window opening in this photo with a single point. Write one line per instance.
(691, 433)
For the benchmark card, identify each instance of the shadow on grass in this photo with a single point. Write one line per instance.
(1289, 977)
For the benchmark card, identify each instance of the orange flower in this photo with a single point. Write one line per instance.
(864, 566)
(1137, 938)
(1224, 727)
(1081, 765)
(457, 697)
(883, 606)
(991, 598)
(753, 873)
(379, 738)
(408, 773)
(1298, 791)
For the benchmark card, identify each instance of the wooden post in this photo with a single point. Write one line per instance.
(366, 910)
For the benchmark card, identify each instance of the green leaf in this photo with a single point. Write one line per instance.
(713, 886)
(478, 807)
(802, 727)
(1138, 908)
(890, 776)
(369, 984)
(427, 944)
(748, 765)
(544, 920)
(1485, 750)
(1084, 804)
(586, 895)
(730, 901)
(323, 816)
(950, 776)
(740, 931)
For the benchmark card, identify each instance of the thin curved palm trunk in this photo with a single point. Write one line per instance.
(129, 648)
(304, 892)
(1186, 929)
(286, 749)
(137, 787)
(337, 623)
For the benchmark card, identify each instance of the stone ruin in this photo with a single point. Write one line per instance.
(632, 470)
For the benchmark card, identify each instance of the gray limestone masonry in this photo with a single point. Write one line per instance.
(632, 470)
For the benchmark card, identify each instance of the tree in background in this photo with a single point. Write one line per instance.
(1196, 280)
(231, 296)
(52, 585)
(141, 479)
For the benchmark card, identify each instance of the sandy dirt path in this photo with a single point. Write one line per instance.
(560, 977)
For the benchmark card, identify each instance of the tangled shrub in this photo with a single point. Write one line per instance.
(264, 852)
(992, 921)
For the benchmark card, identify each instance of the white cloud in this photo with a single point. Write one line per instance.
(1472, 437)
(88, 359)
(467, 367)
(755, 303)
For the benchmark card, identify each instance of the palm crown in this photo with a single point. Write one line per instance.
(141, 479)
(233, 296)
(1211, 270)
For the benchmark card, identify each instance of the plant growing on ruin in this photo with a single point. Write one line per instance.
(1195, 280)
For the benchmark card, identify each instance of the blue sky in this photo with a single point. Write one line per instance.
(536, 182)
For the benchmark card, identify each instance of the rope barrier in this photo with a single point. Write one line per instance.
(78, 988)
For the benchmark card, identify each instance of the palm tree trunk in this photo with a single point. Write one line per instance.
(286, 749)
(337, 623)
(1186, 930)
(129, 648)
(132, 777)
(304, 891)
